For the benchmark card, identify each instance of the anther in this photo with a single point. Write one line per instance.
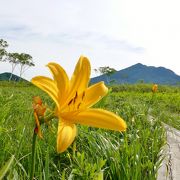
(83, 95)
(75, 97)
(78, 105)
(70, 102)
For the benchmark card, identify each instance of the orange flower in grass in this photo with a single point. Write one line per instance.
(39, 110)
(154, 88)
(73, 99)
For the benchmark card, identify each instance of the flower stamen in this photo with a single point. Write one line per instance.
(75, 98)
(78, 105)
(70, 102)
(83, 95)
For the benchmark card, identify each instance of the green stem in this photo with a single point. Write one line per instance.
(33, 156)
(47, 159)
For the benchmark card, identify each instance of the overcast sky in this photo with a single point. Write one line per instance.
(115, 33)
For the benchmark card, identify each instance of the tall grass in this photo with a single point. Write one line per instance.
(95, 153)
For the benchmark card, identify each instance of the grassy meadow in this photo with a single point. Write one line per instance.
(96, 154)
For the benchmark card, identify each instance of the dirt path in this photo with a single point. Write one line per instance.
(170, 169)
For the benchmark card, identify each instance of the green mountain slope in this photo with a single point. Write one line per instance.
(5, 77)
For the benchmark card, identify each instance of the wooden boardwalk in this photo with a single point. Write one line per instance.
(170, 169)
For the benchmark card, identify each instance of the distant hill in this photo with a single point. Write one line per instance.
(5, 77)
(141, 73)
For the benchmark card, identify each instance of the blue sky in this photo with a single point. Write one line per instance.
(115, 33)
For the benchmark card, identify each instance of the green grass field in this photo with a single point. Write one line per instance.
(96, 153)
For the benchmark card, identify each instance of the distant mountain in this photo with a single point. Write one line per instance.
(5, 77)
(140, 73)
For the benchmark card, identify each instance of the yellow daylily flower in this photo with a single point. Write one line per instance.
(154, 88)
(73, 99)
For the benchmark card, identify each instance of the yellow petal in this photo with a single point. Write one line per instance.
(47, 85)
(94, 93)
(99, 118)
(80, 78)
(61, 79)
(66, 134)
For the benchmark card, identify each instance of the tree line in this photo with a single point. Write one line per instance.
(23, 60)
(107, 71)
